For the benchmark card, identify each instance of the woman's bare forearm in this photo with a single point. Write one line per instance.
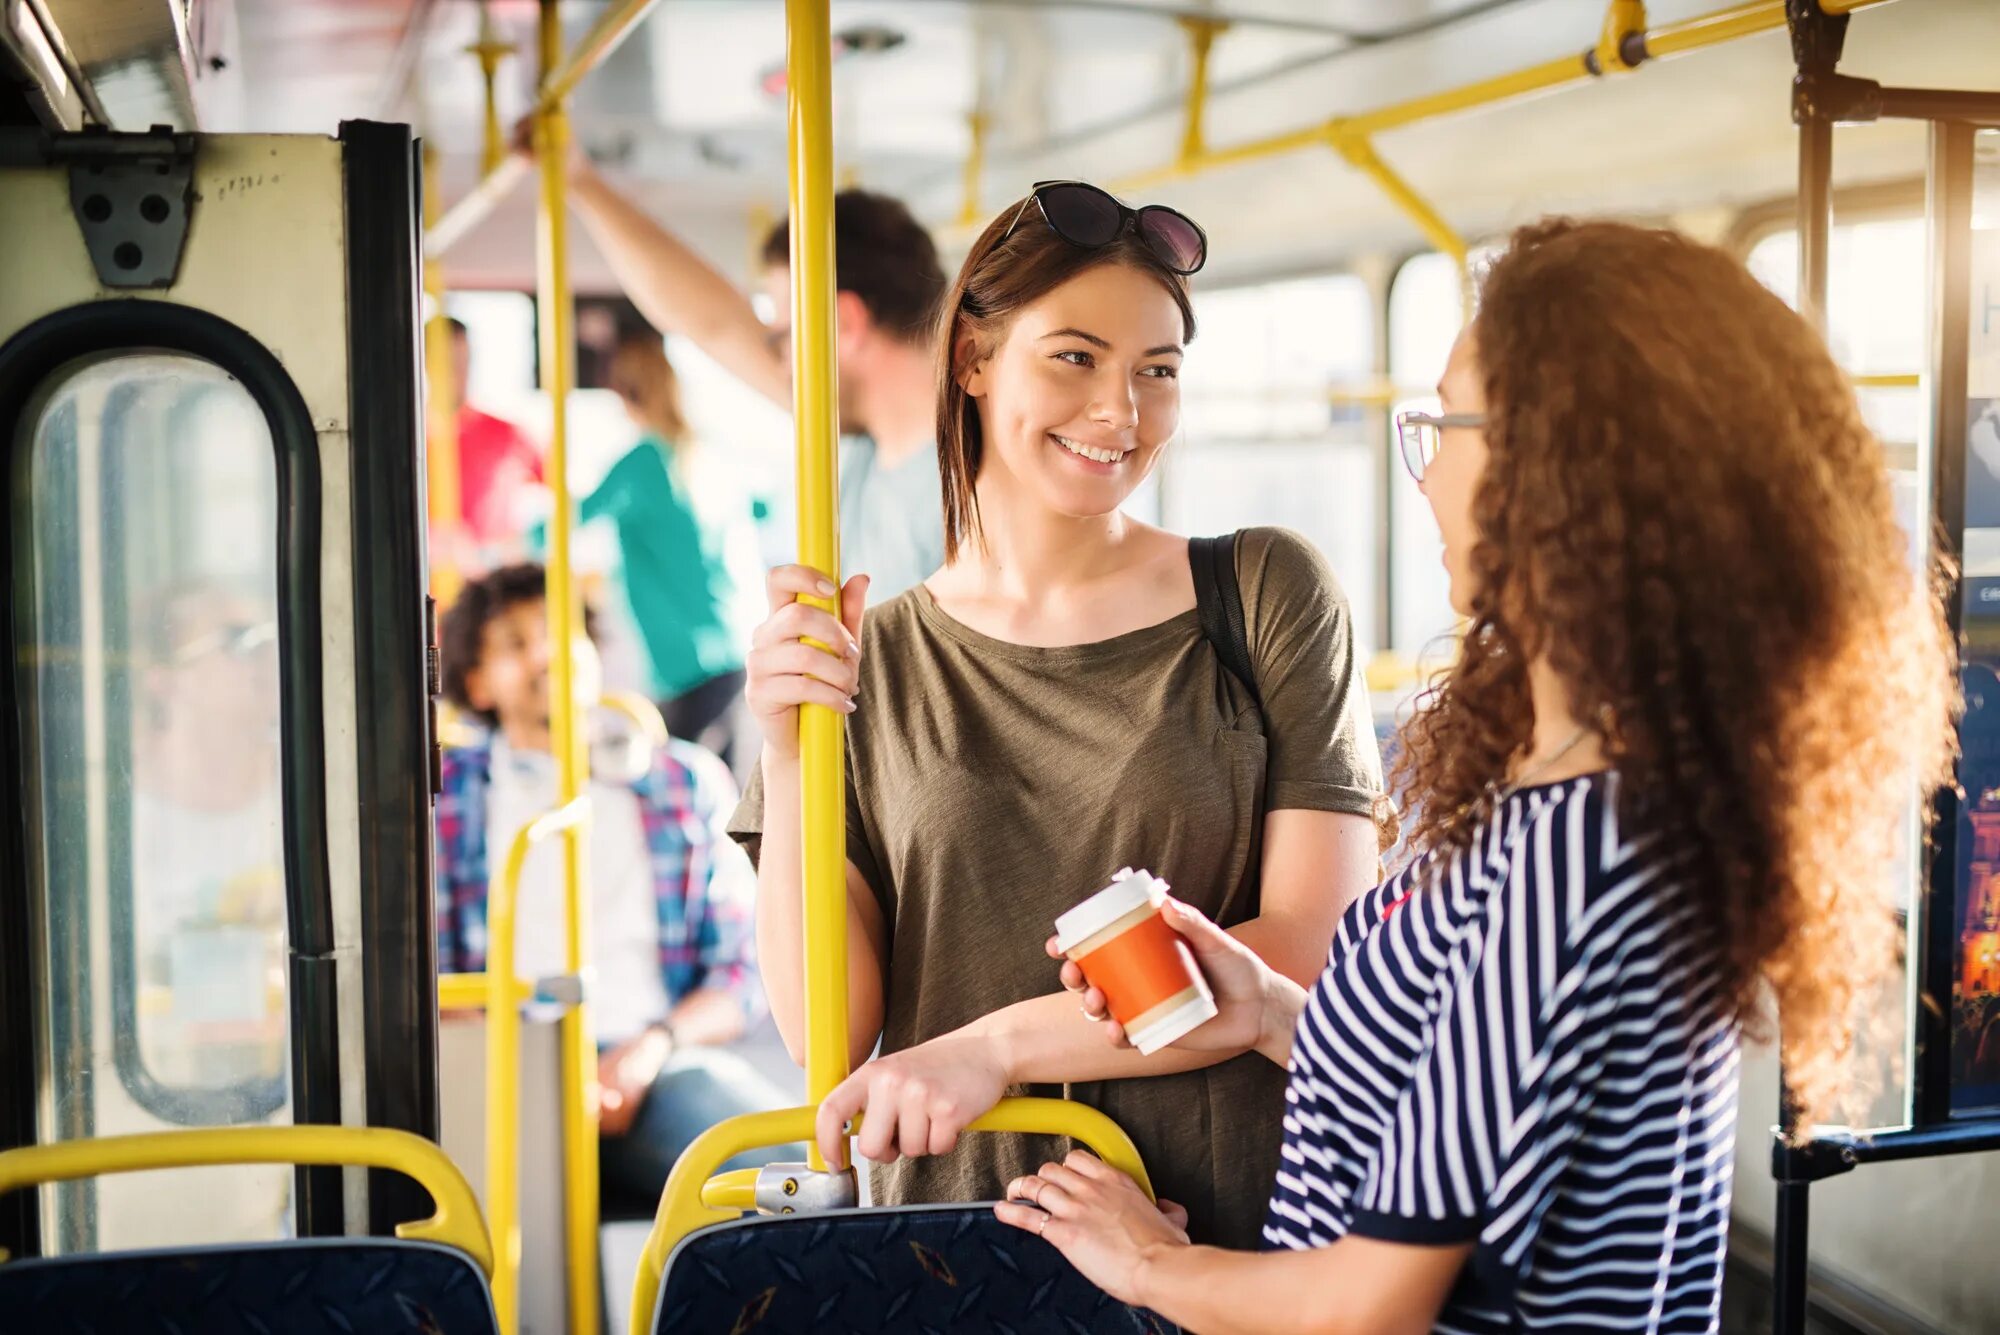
(1046, 1040)
(781, 926)
(677, 289)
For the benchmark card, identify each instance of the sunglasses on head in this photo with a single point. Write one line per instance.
(1086, 216)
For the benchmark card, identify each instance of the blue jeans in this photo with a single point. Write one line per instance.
(698, 1087)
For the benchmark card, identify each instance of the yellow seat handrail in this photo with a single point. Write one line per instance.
(643, 713)
(470, 991)
(503, 1054)
(457, 1222)
(696, 1197)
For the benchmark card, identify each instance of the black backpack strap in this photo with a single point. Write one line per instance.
(1220, 601)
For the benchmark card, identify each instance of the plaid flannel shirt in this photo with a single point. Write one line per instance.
(703, 887)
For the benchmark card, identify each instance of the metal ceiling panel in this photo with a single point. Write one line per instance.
(136, 55)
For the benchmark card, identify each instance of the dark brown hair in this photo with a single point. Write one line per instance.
(1004, 272)
(881, 254)
(462, 634)
(1682, 507)
(641, 375)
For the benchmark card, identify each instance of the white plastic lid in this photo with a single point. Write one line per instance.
(1128, 890)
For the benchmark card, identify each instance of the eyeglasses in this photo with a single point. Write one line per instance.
(1086, 216)
(1422, 433)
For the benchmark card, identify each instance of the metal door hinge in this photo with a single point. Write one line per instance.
(131, 194)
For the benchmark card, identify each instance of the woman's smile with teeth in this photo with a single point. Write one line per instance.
(1089, 452)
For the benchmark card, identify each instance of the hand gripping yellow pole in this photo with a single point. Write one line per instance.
(579, 1054)
(809, 120)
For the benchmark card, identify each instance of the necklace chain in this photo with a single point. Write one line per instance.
(1542, 766)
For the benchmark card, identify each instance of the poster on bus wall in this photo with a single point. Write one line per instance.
(1975, 1018)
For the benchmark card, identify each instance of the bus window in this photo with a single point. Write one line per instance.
(1261, 440)
(151, 687)
(1876, 327)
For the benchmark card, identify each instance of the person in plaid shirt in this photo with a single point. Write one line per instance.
(672, 938)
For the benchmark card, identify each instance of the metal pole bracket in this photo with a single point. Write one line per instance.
(794, 1188)
(1815, 1160)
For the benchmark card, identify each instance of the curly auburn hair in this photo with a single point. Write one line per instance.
(1683, 510)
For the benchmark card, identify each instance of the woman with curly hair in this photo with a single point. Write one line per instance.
(1698, 684)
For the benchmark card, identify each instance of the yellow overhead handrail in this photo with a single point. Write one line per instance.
(695, 1197)
(489, 50)
(976, 125)
(1201, 33)
(1622, 45)
(559, 79)
(455, 1224)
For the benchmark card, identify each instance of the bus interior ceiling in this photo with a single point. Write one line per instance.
(689, 112)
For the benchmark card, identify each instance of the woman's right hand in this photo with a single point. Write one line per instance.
(1243, 984)
(785, 671)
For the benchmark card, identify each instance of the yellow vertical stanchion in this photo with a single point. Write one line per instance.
(442, 507)
(809, 121)
(579, 1053)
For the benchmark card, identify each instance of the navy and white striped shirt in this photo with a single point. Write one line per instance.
(1526, 1049)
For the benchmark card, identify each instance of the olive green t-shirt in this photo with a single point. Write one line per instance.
(992, 786)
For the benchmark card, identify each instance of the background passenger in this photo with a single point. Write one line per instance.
(1664, 779)
(1046, 710)
(496, 462)
(889, 285)
(673, 541)
(672, 952)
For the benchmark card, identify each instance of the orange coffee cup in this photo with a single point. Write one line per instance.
(1128, 952)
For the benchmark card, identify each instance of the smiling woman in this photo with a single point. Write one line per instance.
(1045, 710)
(1074, 348)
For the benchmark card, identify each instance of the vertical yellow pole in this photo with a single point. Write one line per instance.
(809, 120)
(440, 412)
(579, 1053)
(503, 1088)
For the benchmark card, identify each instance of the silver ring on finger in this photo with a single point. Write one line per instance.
(1042, 1226)
(1037, 1198)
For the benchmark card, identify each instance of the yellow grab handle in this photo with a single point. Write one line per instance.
(692, 1200)
(457, 1222)
(731, 1191)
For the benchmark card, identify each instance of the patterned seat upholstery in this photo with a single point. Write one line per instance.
(315, 1286)
(952, 1270)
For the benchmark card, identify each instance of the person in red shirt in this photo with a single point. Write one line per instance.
(495, 460)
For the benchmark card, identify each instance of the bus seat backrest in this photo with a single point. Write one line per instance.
(904, 1269)
(374, 1285)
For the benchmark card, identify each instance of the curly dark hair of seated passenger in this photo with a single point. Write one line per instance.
(462, 633)
(1683, 508)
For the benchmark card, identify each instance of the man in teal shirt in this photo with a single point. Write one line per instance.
(890, 284)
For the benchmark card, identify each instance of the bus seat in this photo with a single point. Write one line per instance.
(432, 1277)
(912, 1268)
(305, 1284)
(899, 1269)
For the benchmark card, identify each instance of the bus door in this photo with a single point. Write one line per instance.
(215, 706)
